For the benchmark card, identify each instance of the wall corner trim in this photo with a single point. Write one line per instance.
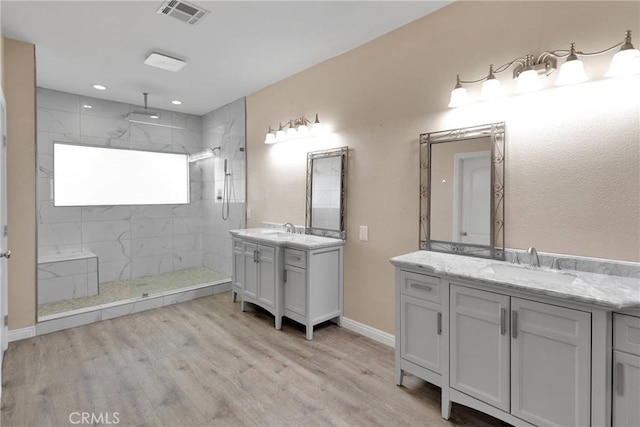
(369, 332)
(22, 333)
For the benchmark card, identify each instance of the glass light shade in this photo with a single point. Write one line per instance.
(491, 89)
(316, 128)
(459, 97)
(270, 138)
(291, 133)
(280, 135)
(303, 131)
(528, 81)
(624, 63)
(571, 72)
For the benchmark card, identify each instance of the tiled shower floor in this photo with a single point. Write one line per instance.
(119, 290)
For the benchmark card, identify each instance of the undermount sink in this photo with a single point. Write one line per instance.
(514, 272)
(284, 235)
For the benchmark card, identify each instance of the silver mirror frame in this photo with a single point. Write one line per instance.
(311, 156)
(496, 133)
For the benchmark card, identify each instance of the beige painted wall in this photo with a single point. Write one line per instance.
(573, 161)
(20, 77)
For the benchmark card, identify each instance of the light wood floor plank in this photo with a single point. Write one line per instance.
(204, 362)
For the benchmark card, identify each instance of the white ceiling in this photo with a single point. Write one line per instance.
(241, 47)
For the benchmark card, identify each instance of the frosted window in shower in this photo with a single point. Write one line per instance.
(97, 176)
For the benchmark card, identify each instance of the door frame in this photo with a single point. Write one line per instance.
(458, 159)
(4, 307)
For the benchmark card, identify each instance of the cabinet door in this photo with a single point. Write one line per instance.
(250, 269)
(626, 389)
(480, 345)
(266, 275)
(238, 266)
(421, 326)
(295, 290)
(550, 364)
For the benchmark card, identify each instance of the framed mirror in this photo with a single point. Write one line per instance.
(326, 192)
(462, 191)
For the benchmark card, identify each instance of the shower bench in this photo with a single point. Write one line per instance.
(67, 275)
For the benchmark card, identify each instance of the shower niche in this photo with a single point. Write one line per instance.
(96, 256)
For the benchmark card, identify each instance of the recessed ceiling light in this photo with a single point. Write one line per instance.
(87, 106)
(153, 117)
(99, 87)
(164, 62)
(176, 102)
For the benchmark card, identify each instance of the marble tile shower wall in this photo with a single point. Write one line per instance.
(224, 128)
(130, 241)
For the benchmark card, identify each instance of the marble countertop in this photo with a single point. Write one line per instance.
(602, 290)
(272, 236)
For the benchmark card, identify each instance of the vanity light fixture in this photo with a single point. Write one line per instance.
(293, 129)
(529, 70)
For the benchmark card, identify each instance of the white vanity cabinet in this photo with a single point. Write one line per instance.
(524, 357)
(419, 326)
(313, 286)
(292, 275)
(626, 370)
(531, 347)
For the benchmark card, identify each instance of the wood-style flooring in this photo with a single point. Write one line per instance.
(204, 362)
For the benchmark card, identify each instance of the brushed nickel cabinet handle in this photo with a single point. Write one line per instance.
(514, 324)
(503, 321)
(439, 323)
(619, 378)
(421, 287)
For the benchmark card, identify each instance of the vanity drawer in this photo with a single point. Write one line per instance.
(420, 286)
(626, 333)
(295, 258)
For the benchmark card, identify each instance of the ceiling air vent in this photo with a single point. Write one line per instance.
(185, 12)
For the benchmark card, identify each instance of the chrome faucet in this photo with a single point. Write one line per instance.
(290, 227)
(514, 258)
(534, 262)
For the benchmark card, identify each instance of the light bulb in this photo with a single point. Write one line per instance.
(528, 81)
(627, 61)
(291, 132)
(624, 63)
(459, 96)
(491, 87)
(572, 71)
(280, 135)
(316, 127)
(303, 131)
(270, 138)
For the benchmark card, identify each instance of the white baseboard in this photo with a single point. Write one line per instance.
(22, 333)
(369, 332)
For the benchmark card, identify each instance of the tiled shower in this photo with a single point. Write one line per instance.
(178, 244)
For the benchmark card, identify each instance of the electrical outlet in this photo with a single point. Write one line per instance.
(364, 233)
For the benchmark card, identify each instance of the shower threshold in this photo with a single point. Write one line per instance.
(83, 316)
